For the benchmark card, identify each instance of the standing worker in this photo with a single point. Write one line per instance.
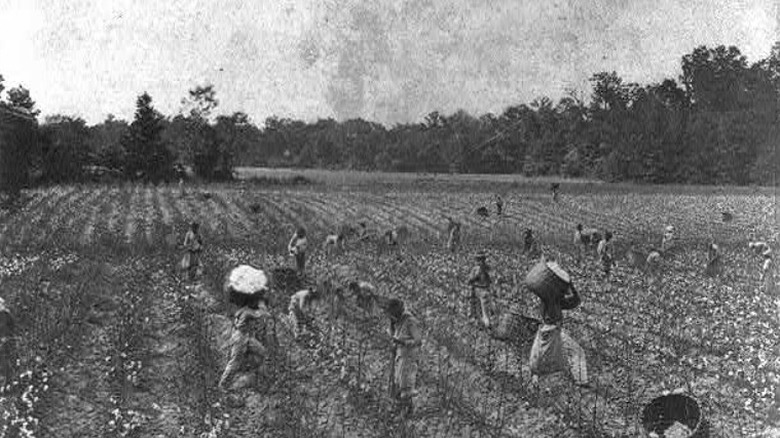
(604, 251)
(499, 205)
(667, 242)
(297, 248)
(765, 251)
(453, 235)
(193, 246)
(247, 288)
(407, 339)
(553, 350)
(480, 282)
(554, 187)
(713, 260)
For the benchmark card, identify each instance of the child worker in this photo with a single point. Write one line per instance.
(480, 283)
(297, 248)
(251, 322)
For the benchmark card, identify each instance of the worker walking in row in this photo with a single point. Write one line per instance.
(480, 283)
(453, 235)
(553, 349)
(604, 252)
(297, 249)
(407, 340)
(193, 246)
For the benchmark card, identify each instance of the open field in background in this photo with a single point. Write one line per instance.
(115, 346)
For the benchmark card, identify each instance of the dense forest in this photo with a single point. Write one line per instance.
(716, 124)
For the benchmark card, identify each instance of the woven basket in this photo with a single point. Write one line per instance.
(663, 411)
(546, 279)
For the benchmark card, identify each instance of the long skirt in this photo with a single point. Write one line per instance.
(405, 376)
(300, 261)
(554, 350)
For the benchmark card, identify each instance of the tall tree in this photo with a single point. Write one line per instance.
(148, 156)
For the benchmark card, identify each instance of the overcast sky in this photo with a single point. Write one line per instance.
(388, 61)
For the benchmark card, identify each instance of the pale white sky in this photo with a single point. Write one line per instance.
(389, 61)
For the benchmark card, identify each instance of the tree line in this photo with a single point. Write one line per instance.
(716, 124)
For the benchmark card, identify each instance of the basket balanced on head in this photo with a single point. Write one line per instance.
(244, 281)
(547, 279)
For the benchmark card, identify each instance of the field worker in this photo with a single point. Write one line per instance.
(480, 283)
(765, 251)
(553, 350)
(250, 325)
(713, 259)
(668, 239)
(364, 293)
(453, 235)
(554, 187)
(193, 246)
(407, 340)
(604, 252)
(586, 237)
(653, 261)
(300, 302)
(499, 205)
(297, 248)
(531, 245)
(333, 243)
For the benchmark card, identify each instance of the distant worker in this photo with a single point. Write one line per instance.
(667, 242)
(765, 251)
(453, 235)
(364, 293)
(586, 238)
(193, 246)
(297, 249)
(554, 187)
(333, 243)
(407, 340)
(499, 205)
(530, 244)
(250, 329)
(553, 349)
(604, 252)
(300, 303)
(713, 260)
(480, 282)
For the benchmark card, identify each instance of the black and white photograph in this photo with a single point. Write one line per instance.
(389, 218)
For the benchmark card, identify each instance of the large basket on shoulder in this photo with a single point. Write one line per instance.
(546, 279)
